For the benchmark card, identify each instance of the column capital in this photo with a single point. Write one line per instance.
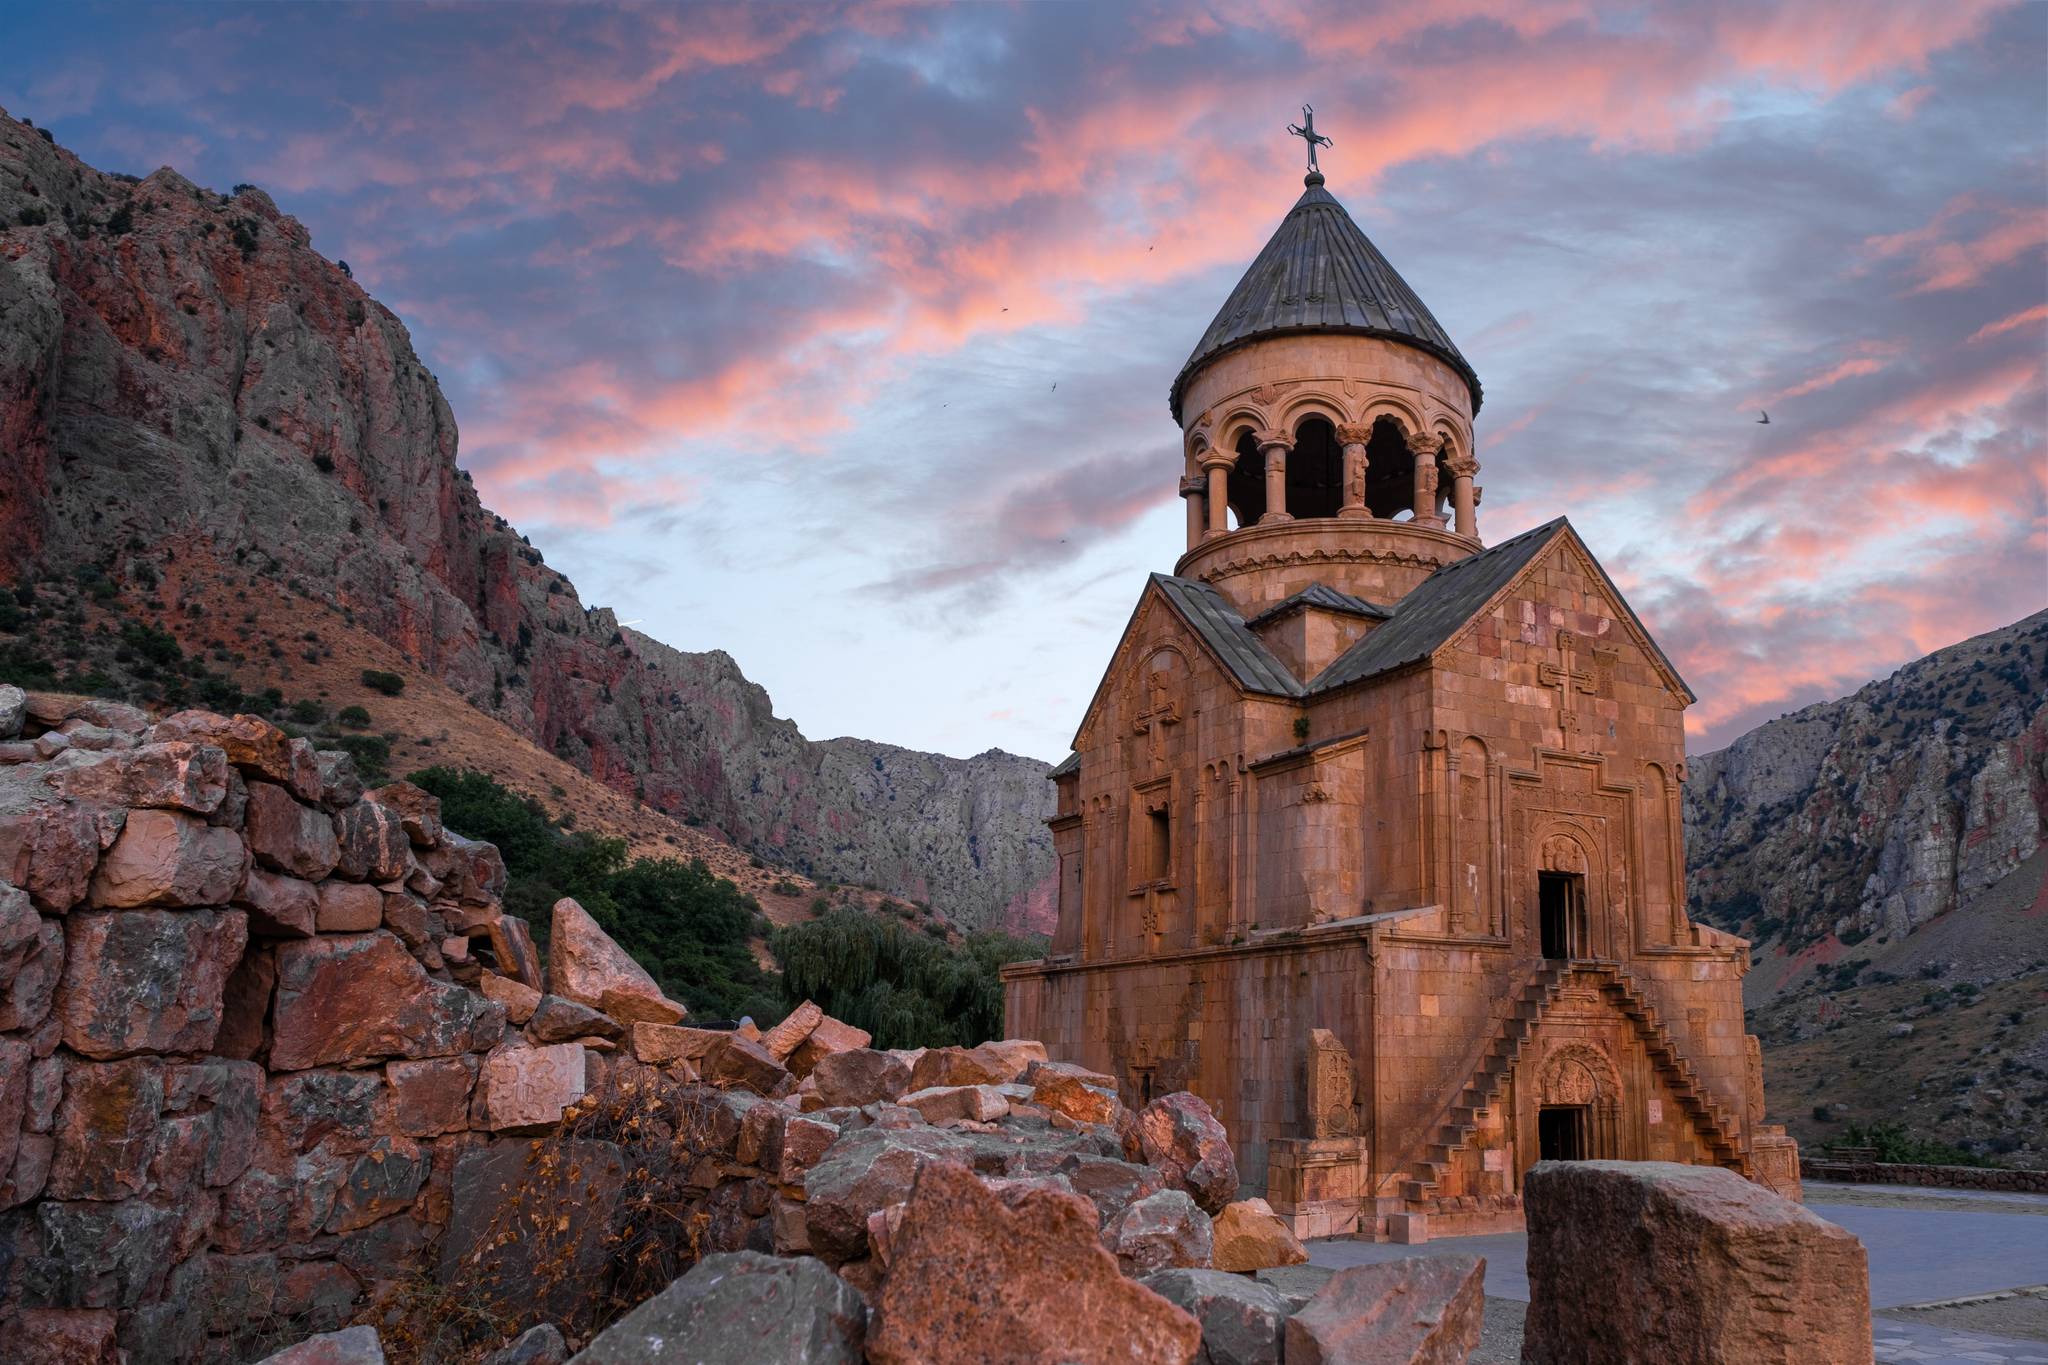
(1220, 459)
(1354, 433)
(1191, 484)
(1268, 437)
(1423, 444)
(1462, 466)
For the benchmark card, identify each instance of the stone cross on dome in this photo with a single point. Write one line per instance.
(1306, 131)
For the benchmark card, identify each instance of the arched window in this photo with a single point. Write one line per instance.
(1390, 471)
(1247, 482)
(1315, 470)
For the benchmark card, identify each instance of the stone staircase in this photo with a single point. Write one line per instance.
(1484, 1088)
(1709, 1117)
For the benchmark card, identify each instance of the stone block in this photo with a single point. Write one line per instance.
(357, 1345)
(1242, 1320)
(1183, 1140)
(1033, 1279)
(1249, 1236)
(555, 1020)
(288, 836)
(26, 998)
(372, 842)
(954, 1103)
(419, 810)
(279, 906)
(525, 1089)
(1162, 1231)
(519, 1000)
(741, 1307)
(584, 965)
(147, 980)
(515, 1209)
(360, 997)
(168, 858)
(431, 1096)
(1650, 1260)
(858, 1077)
(1423, 1311)
(350, 908)
(170, 776)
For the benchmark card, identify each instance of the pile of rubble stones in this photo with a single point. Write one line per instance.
(271, 1052)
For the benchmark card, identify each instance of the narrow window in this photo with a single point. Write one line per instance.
(1162, 844)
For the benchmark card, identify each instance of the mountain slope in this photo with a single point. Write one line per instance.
(182, 374)
(1877, 814)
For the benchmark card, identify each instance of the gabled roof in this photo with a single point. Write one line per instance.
(1255, 667)
(1324, 596)
(1442, 604)
(1070, 764)
(1319, 273)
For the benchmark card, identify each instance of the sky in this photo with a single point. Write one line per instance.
(839, 337)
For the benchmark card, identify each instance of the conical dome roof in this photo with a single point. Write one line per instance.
(1319, 273)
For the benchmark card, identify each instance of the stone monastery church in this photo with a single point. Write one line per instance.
(1371, 833)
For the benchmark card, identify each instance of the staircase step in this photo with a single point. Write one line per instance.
(1417, 1189)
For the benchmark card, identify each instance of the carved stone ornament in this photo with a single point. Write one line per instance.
(1354, 433)
(1331, 1111)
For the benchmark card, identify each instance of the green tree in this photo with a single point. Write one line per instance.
(903, 986)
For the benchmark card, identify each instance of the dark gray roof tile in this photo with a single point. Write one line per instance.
(1319, 273)
(1224, 631)
(1324, 596)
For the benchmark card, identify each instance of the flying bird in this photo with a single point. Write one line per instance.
(1055, 386)
(1763, 418)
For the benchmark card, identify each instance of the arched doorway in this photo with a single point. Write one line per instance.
(1578, 1106)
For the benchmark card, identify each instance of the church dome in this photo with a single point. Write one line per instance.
(1319, 273)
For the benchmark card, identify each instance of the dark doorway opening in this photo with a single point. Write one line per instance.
(1315, 471)
(1389, 471)
(1561, 1132)
(1245, 485)
(1557, 902)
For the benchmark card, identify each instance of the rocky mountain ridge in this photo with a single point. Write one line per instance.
(181, 373)
(1873, 816)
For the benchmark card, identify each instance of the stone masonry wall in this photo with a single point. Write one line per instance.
(241, 1051)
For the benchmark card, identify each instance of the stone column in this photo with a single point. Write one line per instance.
(1423, 446)
(1353, 438)
(1273, 446)
(1192, 488)
(1217, 467)
(1462, 469)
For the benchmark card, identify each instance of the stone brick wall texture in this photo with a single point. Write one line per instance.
(240, 1039)
(1940, 1177)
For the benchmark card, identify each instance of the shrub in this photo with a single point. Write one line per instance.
(355, 717)
(306, 711)
(372, 754)
(390, 684)
(33, 216)
(906, 988)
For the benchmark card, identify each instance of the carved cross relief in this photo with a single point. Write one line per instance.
(1567, 680)
(1160, 709)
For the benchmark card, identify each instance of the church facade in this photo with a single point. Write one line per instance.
(1370, 836)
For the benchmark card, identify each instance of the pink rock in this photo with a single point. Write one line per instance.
(512, 946)
(859, 1077)
(289, 836)
(829, 1037)
(350, 908)
(20, 926)
(349, 1346)
(584, 965)
(1249, 1236)
(358, 997)
(1032, 1280)
(784, 1038)
(406, 916)
(25, 1179)
(420, 810)
(173, 776)
(479, 871)
(520, 1001)
(1009, 1058)
(953, 1103)
(341, 783)
(67, 1336)
(1650, 1260)
(954, 1066)
(302, 774)
(431, 1097)
(736, 1062)
(383, 1180)
(1182, 1138)
(1422, 1311)
(1074, 1092)
(208, 1133)
(49, 851)
(251, 743)
(279, 906)
(168, 858)
(106, 1129)
(373, 843)
(524, 1089)
(25, 1000)
(1163, 1231)
(147, 980)
(17, 1062)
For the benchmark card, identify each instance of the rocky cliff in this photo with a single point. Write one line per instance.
(182, 375)
(1875, 815)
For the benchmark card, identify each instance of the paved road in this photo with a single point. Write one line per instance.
(1917, 1255)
